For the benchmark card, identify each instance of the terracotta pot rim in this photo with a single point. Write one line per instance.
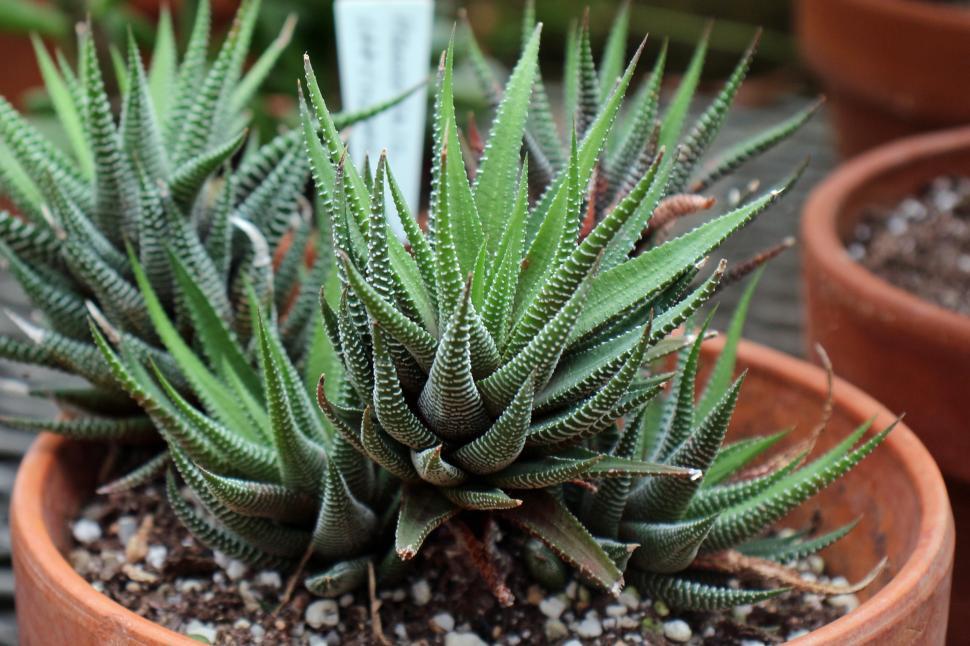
(915, 11)
(819, 233)
(936, 524)
(27, 523)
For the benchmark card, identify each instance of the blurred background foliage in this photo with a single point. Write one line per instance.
(682, 21)
(496, 24)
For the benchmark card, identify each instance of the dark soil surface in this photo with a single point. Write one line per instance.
(922, 244)
(145, 560)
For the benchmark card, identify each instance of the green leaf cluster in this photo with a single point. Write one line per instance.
(164, 173)
(629, 140)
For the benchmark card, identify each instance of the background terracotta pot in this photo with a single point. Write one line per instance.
(891, 67)
(910, 354)
(898, 491)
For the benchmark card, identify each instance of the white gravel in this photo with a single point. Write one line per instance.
(677, 630)
(323, 612)
(269, 579)
(127, 526)
(590, 627)
(235, 570)
(464, 639)
(615, 610)
(555, 630)
(202, 629)
(86, 531)
(443, 621)
(421, 592)
(848, 602)
(552, 607)
(156, 555)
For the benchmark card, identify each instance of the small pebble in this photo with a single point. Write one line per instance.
(554, 630)
(963, 263)
(251, 598)
(848, 602)
(615, 610)
(401, 631)
(752, 642)
(137, 574)
(126, 527)
(573, 642)
(242, 624)
(661, 609)
(626, 622)
(201, 629)
(443, 622)
(816, 563)
(86, 531)
(235, 570)
(257, 632)
(155, 557)
(677, 630)
(323, 612)
(552, 607)
(463, 639)
(111, 562)
(346, 600)
(590, 627)
(630, 598)
(421, 592)
(269, 579)
(399, 595)
(571, 588)
(188, 585)
(80, 560)
(740, 613)
(798, 632)
(896, 226)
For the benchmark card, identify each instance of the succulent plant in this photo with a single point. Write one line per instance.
(639, 132)
(496, 367)
(169, 182)
(488, 369)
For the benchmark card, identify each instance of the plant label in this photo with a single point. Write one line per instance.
(384, 49)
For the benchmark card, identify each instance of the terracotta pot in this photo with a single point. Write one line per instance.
(17, 79)
(910, 354)
(892, 67)
(25, 75)
(898, 491)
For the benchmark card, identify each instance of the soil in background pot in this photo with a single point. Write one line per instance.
(922, 243)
